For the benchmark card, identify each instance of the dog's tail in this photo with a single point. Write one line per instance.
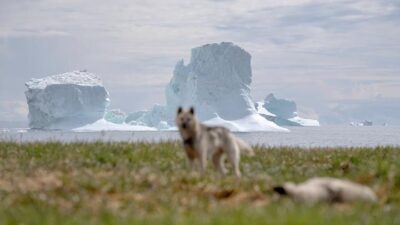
(243, 146)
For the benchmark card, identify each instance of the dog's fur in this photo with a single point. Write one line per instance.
(201, 141)
(327, 189)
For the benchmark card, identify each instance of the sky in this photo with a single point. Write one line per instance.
(339, 60)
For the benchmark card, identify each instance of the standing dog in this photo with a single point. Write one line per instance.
(201, 141)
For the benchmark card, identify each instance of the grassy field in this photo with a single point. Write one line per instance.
(141, 183)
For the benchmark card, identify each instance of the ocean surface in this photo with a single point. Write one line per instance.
(309, 137)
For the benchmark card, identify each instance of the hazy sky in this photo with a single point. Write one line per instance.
(339, 60)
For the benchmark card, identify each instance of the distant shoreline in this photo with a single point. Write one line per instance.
(304, 137)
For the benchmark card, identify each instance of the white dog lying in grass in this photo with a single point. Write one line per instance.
(326, 189)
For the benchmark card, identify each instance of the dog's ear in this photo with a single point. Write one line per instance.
(191, 110)
(179, 110)
(280, 190)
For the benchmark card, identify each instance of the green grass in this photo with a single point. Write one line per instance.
(143, 183)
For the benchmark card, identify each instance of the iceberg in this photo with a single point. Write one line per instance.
(115, 116)
(283, 112)
(156, 117)
(66, 100)
(216, 82)
(281, 107)
(365, 123)
(74, 101)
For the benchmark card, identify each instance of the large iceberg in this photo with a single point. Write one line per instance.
(283, 112)
(217, 83)
(73, 101)
(66, 100)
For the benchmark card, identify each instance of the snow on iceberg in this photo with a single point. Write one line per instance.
(102, 124)
(304, 122)
(216, 82)
(252, 122)
(283, 112)
(66, 100)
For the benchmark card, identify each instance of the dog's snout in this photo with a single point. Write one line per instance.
(184, 125)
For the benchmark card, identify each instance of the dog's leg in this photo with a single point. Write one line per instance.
(234, 158)
(219, 163)
(192, 164)
(191, 156)
(203, 162)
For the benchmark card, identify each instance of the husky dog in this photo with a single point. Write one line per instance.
(327, 189)
(201, 141)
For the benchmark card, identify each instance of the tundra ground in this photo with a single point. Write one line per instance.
(149, 183)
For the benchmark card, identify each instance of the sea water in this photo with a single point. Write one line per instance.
(308, 137)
